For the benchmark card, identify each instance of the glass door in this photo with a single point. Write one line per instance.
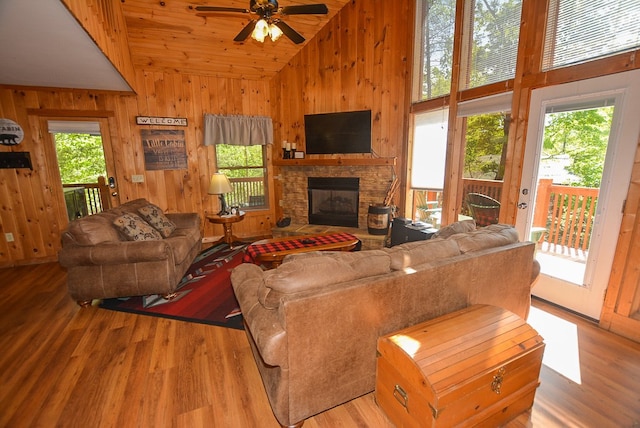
(83, 169)
(577, 169)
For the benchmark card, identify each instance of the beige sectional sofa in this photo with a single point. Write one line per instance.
(314, 321)
(103, 262)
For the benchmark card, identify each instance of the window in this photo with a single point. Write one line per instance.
(434, 28)
(246, 168)
(428, 163)
(492, 49)
(429, 150)
(578, 31)
(486, 124)
(240, 146)
(489, 55)
(486, 137)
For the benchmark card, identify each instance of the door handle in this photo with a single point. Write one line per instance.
(114, 194)
(522, 205)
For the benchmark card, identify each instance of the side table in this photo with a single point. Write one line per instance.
(227, 222)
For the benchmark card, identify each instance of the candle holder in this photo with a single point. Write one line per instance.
(286, 154)
(293, 154)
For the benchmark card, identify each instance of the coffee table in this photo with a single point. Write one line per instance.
(272, 251)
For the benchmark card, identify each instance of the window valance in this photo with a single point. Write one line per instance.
(237, 130)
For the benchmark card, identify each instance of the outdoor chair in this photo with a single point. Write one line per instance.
(484, 209)
(427, 211)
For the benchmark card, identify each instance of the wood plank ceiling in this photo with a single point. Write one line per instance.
(170, 36)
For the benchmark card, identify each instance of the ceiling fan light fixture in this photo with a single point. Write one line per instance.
(260, 31)
(267, 22)
(275, 32)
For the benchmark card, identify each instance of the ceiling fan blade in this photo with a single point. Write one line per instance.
(242, 35)
(220, 9)
(305, 9)
(289, 32)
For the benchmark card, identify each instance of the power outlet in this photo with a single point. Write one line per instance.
(137, 178)
(8, 236)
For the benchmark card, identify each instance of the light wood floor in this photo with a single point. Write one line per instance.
(64, 366)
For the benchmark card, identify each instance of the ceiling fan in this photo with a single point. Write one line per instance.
(267, 22)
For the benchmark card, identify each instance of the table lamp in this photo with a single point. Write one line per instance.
(220, 185)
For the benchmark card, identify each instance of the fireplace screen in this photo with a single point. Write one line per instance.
(333, 201)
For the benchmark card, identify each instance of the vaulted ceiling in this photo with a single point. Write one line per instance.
(172, 35)
(43, 45)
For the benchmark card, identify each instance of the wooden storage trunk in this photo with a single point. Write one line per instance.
(477, 366)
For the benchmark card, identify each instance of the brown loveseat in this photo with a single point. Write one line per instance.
(314, 321)
(102, 262)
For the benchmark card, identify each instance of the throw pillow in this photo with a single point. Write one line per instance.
(156, 218)
(135, 228)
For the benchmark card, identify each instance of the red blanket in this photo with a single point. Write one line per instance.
(254, 250)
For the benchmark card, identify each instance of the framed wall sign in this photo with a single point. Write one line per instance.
(164, 149)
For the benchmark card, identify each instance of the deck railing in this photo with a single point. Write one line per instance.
(565, 212)
(490, 188)
(247, 192)
(95, 198)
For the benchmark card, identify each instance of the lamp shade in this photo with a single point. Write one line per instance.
(260, 31)
(219, 184)
(274, 32)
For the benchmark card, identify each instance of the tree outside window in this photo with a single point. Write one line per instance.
(486, 139)
(494, 35)
(491, 50)
(578, 31)
(80, 158)
(580, 136)
(436, 32)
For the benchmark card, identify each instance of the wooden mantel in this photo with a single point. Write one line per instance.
(336, 162)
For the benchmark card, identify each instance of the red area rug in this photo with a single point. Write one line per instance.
(205, 294)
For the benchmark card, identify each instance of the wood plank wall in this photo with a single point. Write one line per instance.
(29, 208)
(360, 60)
(621, 309)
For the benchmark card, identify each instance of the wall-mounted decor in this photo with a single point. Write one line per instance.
(10, 132)
(153, 120)
(164, 149)
(15, 160)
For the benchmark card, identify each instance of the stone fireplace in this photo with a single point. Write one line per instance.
(374, 182)
(333, 201)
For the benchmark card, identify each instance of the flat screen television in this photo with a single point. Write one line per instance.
(345, 132)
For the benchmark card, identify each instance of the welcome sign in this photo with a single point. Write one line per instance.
(153, 120)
